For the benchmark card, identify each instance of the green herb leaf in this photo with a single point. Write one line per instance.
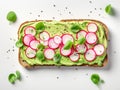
(11, 16)
(81, 40)
(83, 25)
(40, 26)
(18, 75)
(41, 47)
(68, 45)
(95, 78)
(19, 43)
(40, 55)
(12, 78)
(108, 9)
(57, 58)
(75, 28)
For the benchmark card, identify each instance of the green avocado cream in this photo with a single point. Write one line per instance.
(60, 28)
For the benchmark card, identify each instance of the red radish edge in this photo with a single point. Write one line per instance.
(32, 46)
(79, 32)
(27, 28)
(103, 48)
(62, 48)
(31, 49)
(95, 36)
(52, 44)
(74, 60)
(85, 46)
(49, 53)
(59, 41)
(93, 58)
(48, 35)
(65, 39)
(31, 37)
(94, 24)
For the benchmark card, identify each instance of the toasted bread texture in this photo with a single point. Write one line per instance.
(26, 65)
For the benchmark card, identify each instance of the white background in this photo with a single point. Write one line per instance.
(54, 78)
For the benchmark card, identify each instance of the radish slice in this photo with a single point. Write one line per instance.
(81, 33)
(49, 53)
(74, 57)
(44, 36)
(27, 38)
(67, 37)
(45, 43)
(34, 44)
(65, 52)
(52, 44)
(57, 39)
(99, 49)
(88, 45)
(92, 27)
(81, 48)
(91, 38)
(30, 30)
(30, 53)
(90, 55)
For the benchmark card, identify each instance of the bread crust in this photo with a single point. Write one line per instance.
(105, 61)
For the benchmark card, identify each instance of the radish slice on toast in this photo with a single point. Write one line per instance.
(99, 49)
(45, 43)
(30, 53)
(91, 38)
(74, 57)
(44, 36)
(90, 55)
(65, 52)
(27, 39)
(34, 44)
(67, 37)
(52, 44)
(30, 30)
(57, 39)
(81, 48)
(49, 53)
(81, 33)
(92, 27)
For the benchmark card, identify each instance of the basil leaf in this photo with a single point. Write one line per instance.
(40, 55)
(81, 40)
(95, 78)
(40, 27)
(108, 9)
(19, 43)
(75, 28)
(18, 75)
(57, 58)
(68, 45)
(12, 78)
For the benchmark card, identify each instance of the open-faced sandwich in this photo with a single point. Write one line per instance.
(81, 42)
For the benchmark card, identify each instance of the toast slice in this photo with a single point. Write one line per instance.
(24, 63)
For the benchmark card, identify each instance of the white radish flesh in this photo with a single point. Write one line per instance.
(27, 39)
(81, 33)
(57, 39)
(34, 44)
(99, 49)
(74, 57)
(30, 30)
(65, 52)
(52, 44)
(92, 27)
(44, 36)
(67, 37)
(81, 48)
(90, 55)
(30, 53)
(91, 38)
(45, 43)
(49, 53)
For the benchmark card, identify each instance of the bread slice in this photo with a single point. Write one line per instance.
(25, 64)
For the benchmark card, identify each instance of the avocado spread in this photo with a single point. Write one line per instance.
(60, 28)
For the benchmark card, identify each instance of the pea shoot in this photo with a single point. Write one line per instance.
(11, 16)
